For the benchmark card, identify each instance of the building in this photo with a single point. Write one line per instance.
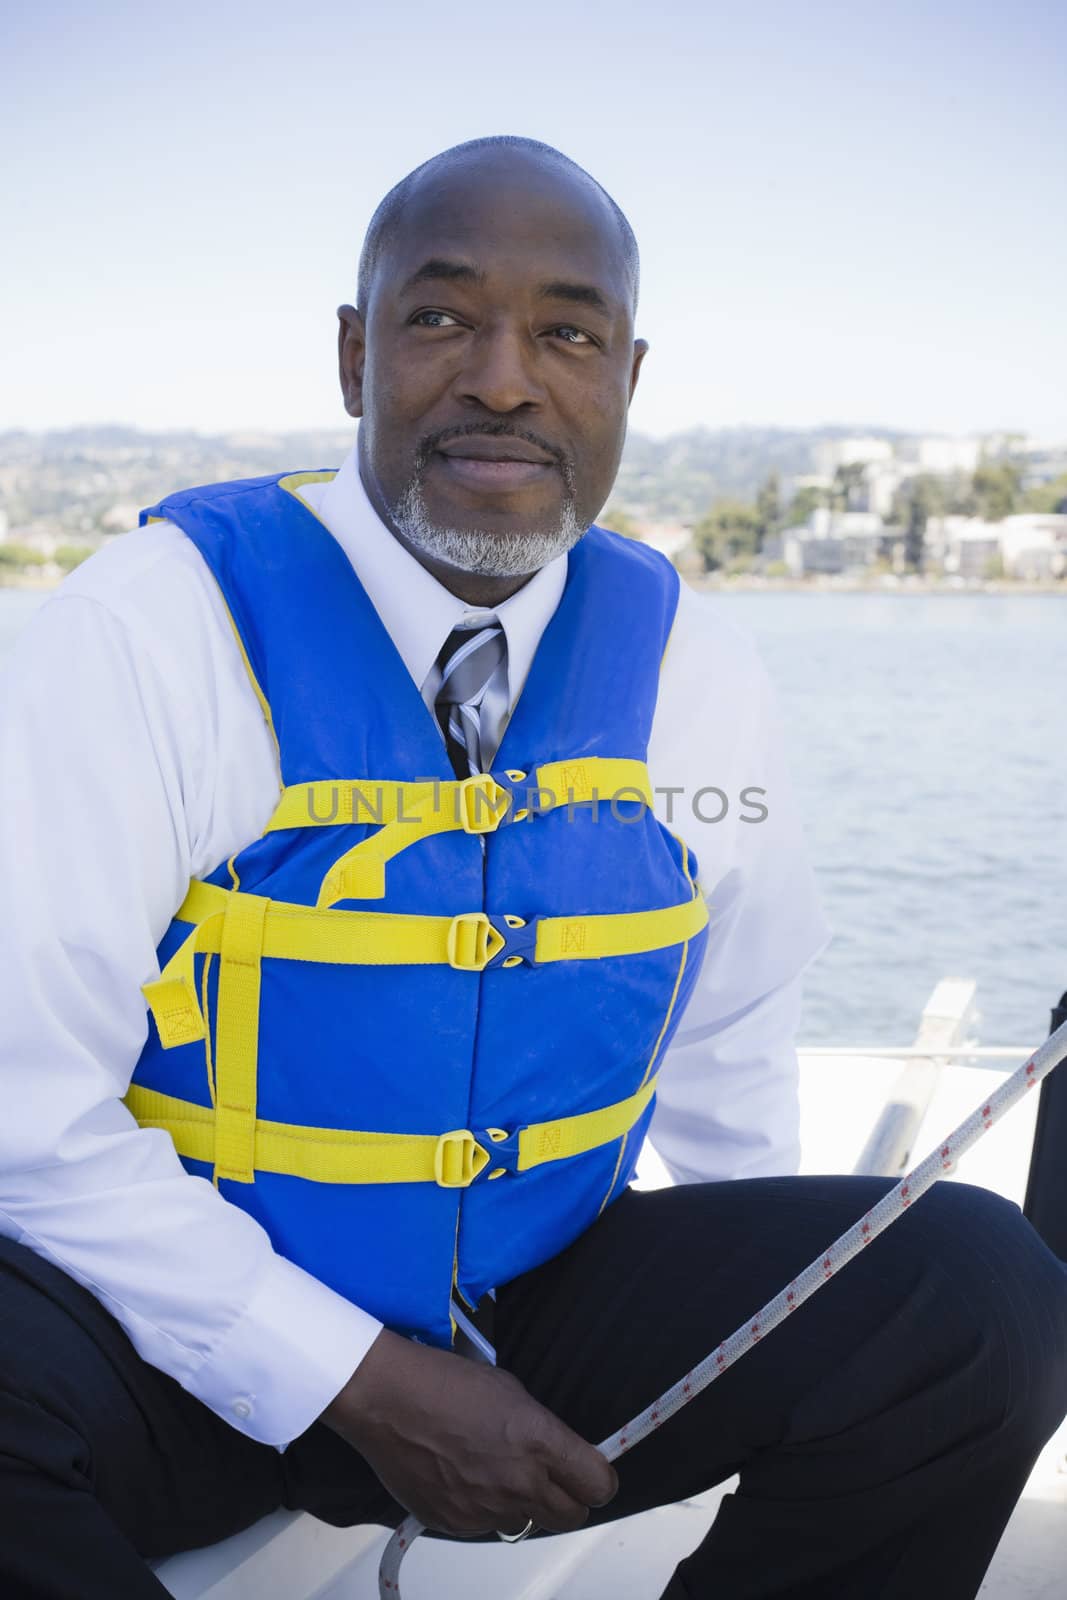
(1034, 546)
(941, 456)
(834, 453)
(832, 541)
(964, 547)
(1041, 463)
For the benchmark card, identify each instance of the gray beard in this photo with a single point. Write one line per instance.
(472, 550)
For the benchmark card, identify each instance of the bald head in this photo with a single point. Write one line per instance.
(492, 359)
(501, 158)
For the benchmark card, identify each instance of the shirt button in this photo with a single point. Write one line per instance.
(242, 1409)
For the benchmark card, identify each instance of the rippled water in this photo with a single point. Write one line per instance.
(929, 747)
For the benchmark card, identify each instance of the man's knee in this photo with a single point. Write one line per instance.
(1004, 1288)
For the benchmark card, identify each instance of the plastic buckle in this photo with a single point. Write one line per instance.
(457, 1159)
(481, 803)
(527, 798)
(502, 1148)
(472, 941)
(520, 943)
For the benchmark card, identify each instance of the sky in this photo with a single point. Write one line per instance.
(848, 212)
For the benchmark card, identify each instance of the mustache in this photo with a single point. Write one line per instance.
(431, 442)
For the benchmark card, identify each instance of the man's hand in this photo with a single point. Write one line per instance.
(463, 1446)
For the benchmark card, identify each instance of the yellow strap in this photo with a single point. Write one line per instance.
(572, 1136)
(466, 941)
(237, 1037)
(600, 778)
(338, 1155)
(172, 997)
(477, 804)
(334, 802)
(625, 933)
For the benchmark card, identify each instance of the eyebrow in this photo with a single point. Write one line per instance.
(580, 294)
(438, 269)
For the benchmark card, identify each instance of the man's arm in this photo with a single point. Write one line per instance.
(727, 1097)
(100, 758)
(115, 754)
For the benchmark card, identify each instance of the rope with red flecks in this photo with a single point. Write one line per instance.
(826, 1266)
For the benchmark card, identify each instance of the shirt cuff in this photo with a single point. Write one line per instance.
(286, 1357)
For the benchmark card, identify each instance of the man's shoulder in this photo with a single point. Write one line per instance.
(147, 595)
(150, 578)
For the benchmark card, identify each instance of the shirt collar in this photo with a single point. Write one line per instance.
(418, 612)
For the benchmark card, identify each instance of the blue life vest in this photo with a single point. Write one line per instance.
(414, 1028)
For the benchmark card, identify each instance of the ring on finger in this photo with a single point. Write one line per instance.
(513, 1538)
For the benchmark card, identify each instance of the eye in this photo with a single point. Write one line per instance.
(580, 336)
(444, 318)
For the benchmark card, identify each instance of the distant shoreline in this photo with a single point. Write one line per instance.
(752, 583)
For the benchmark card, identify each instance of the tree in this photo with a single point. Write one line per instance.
(729, 532)
(1047, 497)
(916, 501)
(850, 486)
(13, 554)
(996, 489)
(769, 509)
(805, 501)
(69, 556)
(619, 521)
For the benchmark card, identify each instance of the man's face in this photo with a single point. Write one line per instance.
(495, 365)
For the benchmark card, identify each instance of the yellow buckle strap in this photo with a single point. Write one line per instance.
(483, 804)
(573, 1136)
(337, 802)
(406, 812)
(472, 941)
(172, 997)
(476, 804)
(591, 778)
(339, 1155)
(624, 933)
(457, 1159)
(467, 941)
(237, 1041)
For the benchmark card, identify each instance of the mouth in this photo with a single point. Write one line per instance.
(493, 465)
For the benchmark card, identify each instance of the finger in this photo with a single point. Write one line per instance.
(557, 1511)
(579, 1467)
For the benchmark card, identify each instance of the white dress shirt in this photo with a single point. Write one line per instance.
(135, 757)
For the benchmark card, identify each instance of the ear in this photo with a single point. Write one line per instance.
(640, 352)
(351, 352)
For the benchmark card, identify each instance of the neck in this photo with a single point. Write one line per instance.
(475, 588)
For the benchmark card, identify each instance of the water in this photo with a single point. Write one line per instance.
(928, 737)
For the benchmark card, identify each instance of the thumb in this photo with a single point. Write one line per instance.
(613, 1491)
(577, 1466)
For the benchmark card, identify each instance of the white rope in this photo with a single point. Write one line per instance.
(826, 1266)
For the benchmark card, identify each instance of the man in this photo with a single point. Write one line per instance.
(397, 1064)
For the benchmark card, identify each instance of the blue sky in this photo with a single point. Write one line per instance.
(847, 212)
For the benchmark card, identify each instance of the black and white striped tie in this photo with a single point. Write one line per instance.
(468, 659)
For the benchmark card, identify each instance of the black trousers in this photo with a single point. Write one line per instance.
(882, 1435)
(1046, 1191)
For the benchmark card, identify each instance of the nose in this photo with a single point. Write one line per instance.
(501, 371)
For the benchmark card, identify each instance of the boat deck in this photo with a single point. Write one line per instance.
(293, 1557)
